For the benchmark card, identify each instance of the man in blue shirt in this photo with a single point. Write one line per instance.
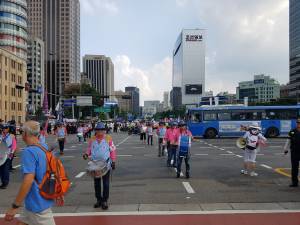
(37, 210)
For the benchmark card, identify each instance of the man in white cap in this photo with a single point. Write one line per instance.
(253, 137)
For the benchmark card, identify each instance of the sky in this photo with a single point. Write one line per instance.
(244, 38)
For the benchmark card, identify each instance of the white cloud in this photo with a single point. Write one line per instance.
(181, 3)
(152, 82)
(93, 7)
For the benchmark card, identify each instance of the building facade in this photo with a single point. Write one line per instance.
(166, 100)
(261, 89)
(294, 48)
(176, 98)
(35, 74)
(123, 103)
(189, 65)
(12, 87)
(99, 69)
(13, 27)
(57, 23)
(134, 92)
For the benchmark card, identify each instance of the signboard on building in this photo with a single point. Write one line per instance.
(193, 37)
(193, 89)
(84, 101)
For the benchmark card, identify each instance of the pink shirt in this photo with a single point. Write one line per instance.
(172, 136)
(113, 153)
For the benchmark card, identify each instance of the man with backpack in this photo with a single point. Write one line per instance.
(37, 209)
(101, 149)
(184, 146)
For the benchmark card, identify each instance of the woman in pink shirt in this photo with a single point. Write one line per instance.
(171, 137)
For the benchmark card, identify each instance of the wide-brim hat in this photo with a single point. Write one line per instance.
(255, 126)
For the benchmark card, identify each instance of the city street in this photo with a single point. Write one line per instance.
(143, 183)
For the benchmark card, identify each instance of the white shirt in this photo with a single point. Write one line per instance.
(252, 140)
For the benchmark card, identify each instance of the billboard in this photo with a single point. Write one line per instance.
(193, 89)
(84, 101)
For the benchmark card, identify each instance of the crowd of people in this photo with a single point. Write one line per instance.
(173, 139)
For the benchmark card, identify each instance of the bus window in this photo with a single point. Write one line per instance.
(210, 116)
(195, 117)
(287, 114)
(238, 115)
(224, 116)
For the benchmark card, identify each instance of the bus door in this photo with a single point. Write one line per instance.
(195, 124)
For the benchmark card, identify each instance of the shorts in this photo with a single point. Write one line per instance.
(250, 155)
(43, 218)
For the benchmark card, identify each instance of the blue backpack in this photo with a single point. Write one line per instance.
(184, 145)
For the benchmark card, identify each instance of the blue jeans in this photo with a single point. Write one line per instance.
(102, 184)
(4, 172)
(187, 164)
(172, 155)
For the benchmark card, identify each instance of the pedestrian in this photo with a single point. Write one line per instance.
(253, 138)
(43, 133)
(172, 136)
(149, 132)
(184, 146)
(37, 209)
(101, 148)
(143, 129)
(161, 132)
(294, 144)
(61, 134)
(80, 133)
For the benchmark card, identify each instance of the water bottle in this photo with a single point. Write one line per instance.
(52, 182)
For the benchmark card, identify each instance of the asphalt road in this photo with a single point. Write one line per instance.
(142, 177)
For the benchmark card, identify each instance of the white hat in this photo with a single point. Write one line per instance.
(255, 126)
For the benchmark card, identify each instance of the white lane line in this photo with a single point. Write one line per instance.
(81, 174)
(123, 141)
(17, 166)
(215, 146)
(222, 149)
(181, 174)
(138, 147)
(201, 154)
(260, 154)
(205, 147)
(188, 187)
(266, 166)
(279, 153)
(73, 146)
(124, 155)
(229, 152)
(210, 145)
(239, 156)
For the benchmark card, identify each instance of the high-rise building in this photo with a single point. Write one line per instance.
(176, 98)
(166, 100)
(35, 74)
(12, 87)
(294, 48)
(13, 27)
(189, 66)
(123, 103)
(135, 99)
(57, 23)
(261, 89)
(100, 70)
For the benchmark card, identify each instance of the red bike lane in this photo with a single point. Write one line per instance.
(292, 218)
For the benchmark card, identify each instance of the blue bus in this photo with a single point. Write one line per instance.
(222, 121)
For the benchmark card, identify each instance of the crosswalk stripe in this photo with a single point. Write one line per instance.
(81, 174)
(188, 187)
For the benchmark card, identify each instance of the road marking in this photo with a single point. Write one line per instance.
(17, 166)
(124, 155)
(279, 153)
(215, 146)
(81, 174)
(205, 147)
(266, 166)
(201, 154)
(123, 141)
(222, 149)
(282, 172)
(181, 174)
(239, 156)
(260, 154)
(188, 187)
(73, 146)
(229, 152)
(276, 146)
(139, 147)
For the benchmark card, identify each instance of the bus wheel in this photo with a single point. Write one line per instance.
(272, 132)
(210, 133)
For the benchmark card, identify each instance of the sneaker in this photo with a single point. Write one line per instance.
(253, 174)
(187, 175)
(3, 187)
(178, 175)
(245, 172)
(97, 205)
(293, 185)
(104, 205)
